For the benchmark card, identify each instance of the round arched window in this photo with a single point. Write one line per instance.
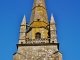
(38, 35)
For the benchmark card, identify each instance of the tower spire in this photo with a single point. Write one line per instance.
(52, 19)
(39, 3)
(24, 20)
(39, 12)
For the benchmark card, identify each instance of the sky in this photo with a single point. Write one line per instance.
(67, 17)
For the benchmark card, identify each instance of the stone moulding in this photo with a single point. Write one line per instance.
(44, 44)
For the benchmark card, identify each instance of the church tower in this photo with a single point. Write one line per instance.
(38, 40)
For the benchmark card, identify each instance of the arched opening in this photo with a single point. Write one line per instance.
(38, 35)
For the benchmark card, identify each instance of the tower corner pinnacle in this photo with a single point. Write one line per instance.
(24, 20)
(52, 19)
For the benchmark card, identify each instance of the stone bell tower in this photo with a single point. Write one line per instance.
(38, 40)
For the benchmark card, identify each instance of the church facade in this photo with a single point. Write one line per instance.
(38, 40)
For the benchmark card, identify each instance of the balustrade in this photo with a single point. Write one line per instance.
(37, 41)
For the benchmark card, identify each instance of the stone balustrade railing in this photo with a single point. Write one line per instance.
(37, 41)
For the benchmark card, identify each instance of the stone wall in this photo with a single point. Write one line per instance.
(37, 53)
